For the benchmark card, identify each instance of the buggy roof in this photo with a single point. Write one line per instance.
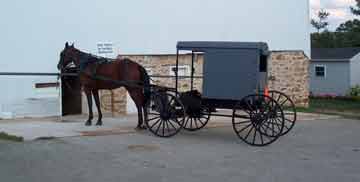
(203, 46)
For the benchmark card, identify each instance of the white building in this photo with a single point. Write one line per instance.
(34, 32)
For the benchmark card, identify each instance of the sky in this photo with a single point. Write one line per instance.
(339, 10)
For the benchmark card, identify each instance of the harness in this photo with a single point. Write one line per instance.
(88, 59)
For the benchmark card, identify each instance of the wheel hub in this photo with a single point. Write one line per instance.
(257, 119)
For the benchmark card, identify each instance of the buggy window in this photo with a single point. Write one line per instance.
(263, 64)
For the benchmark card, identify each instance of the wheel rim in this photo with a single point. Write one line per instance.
(288, 108)
(258, 129)
(165, 115)
(193, 122)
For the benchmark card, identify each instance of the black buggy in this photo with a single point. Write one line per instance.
(234, 77)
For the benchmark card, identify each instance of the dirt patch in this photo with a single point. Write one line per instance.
(45, 138)
(138, 148)
(107, 132)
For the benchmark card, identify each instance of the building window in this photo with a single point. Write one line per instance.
(320, 71)
(184, 70)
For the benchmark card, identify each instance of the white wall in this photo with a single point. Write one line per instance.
(33, 33)
(355, 70)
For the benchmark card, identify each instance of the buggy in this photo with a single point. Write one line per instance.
(234, 78)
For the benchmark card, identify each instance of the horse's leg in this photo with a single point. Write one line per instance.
(97, 102)
(137, 97)
(89, 101)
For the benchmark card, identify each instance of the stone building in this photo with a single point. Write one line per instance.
(287, 72)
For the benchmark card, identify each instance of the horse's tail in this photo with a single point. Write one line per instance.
(146, 79)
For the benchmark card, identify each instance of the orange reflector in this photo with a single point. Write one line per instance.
(266, 91)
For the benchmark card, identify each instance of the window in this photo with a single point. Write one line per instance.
(320, 71)
(184, 70)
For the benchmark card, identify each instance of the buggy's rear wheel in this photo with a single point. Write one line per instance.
(197, 120)
(165, 114)
(288, 107)
(258, 120)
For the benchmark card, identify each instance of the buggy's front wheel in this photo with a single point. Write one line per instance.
(197, 120)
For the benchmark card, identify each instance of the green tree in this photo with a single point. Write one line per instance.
(356, 9)
(348, 33)
(321, 23)
(349, 26)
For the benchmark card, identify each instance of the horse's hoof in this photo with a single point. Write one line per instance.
(140, 128)
(99, 124)
(88, 123)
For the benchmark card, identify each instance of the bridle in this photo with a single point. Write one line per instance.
(64, 69)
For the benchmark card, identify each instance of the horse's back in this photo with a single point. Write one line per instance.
(124, 70)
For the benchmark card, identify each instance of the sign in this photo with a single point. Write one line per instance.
(105, 48)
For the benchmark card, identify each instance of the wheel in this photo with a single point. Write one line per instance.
(288, 108)
(258, 120)
(165, 114)
(197, 120)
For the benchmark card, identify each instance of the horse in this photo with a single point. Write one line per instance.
(97, 73)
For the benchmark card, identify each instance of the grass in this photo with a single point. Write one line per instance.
(5, 136)
(346, 108)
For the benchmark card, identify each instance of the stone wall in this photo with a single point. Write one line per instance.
(113, 102)
(287, 71)
(160, 65)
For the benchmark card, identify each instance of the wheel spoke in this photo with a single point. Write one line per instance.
(267, 127)
(247, 126)
(196, 123)
(163, 128)
(282, 103)
(201, 122)
(186, 121)
(261, 138)
(288, 120)
(155, 123)
(158, 127)
(167, 126)
(172, 125)
(176, 121)
(153, 119)
(266, 131)
(277, 124)
(247, 135)
(254, 135)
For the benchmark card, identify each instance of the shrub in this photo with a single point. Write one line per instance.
(354, 91)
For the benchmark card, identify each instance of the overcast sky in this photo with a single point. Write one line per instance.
(339, 10)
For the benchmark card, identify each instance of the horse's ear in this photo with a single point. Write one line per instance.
(66, 45)
(72, 45)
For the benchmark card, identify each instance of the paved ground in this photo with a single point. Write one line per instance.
(58, 127)
(316, 150)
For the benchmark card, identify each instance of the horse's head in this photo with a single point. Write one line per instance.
(67, 56)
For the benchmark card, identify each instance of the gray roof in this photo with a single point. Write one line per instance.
(334, 54)
(202, 46)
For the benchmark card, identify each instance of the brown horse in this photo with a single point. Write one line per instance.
(100, 73)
